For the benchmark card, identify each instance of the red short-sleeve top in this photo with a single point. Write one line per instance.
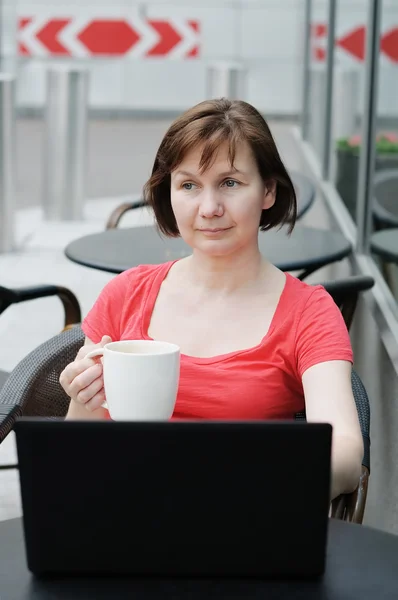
(263, 382)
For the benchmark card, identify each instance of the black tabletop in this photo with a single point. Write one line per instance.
(116, 250)
(385, 244)
(362, 564)
(305, 192)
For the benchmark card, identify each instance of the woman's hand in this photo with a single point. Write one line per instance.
(83, 379)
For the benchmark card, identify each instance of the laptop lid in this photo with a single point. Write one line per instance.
(175, 498)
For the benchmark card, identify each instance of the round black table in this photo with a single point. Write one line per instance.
(305, 192)
(385, 244)
(115, 250)
(362, 564)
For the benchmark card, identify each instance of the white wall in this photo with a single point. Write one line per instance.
(266, 35)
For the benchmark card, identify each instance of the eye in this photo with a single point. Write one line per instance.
(188, 186)
(230, 183)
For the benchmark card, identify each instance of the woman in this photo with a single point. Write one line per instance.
(256, 343)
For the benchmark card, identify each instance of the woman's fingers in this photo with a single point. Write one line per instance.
(80, 374)
(82, 379)
(96, 401)
(86, 394)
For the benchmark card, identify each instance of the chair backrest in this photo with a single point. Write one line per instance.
(69, 301)
(345, 293)
(33, 386)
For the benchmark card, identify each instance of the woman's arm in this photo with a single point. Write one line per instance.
(329, 398)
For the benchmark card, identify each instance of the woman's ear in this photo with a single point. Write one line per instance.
(269, 193)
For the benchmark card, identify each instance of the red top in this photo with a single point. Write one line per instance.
(263, 382)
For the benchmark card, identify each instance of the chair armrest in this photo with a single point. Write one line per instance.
(351, 507)
(119, 211)
(68, 299)
(9, 413)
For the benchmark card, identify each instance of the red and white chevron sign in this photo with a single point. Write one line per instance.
(81, 38)
(353, 42)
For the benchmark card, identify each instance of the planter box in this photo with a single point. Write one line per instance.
(347, 175)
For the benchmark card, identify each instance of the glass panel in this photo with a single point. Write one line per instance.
(348, 99)
(384, 216)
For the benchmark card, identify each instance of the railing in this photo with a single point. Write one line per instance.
(7, 162)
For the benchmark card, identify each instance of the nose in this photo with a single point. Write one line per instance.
(211, 204)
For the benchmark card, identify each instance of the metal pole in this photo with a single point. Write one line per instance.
(345, 103)
(316, 113)
(226, 80)
(8, 36)
(306, 70)
(329, 90)
(66, 143)
(367, 155)
(7, 161)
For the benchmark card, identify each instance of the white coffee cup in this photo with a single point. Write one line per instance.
(140, 379)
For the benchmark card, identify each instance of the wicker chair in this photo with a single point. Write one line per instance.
(345, 293)
(351, 507)
(33, 390)
(15, 296)
(119, 211)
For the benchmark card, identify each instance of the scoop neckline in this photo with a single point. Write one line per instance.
(149, 305)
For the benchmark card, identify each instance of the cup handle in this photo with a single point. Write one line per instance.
(93, 354)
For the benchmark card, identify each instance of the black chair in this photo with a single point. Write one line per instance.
(117, 214)
(33, 388)
(14, 296)
(351, 507)
(345, 293)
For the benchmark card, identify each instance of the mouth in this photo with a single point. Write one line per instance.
(215, 230)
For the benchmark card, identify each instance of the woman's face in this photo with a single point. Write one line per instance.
(218, 212)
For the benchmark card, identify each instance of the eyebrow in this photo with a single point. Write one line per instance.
(225, 174)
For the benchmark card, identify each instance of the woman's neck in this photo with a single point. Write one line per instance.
(225, 274)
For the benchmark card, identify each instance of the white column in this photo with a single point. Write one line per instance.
(65, 161)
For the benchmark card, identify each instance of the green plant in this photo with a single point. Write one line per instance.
(386, 143)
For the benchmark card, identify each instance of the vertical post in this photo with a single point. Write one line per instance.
(345, 103)
(8, 35)
(7, 161)
(367, 154)
(226, 80)
(65, 143)
(306, 70)
(329, 89)
(316, 112)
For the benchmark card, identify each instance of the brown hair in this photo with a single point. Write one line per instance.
(212, 123)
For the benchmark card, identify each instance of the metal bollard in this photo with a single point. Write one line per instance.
(345, 106)
(7, 161)
(65, 144)
(226, 80)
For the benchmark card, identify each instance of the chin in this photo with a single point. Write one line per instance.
(215, 248)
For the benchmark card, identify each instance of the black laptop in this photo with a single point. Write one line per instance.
(182, 498)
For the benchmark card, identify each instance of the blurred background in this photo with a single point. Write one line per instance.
(87, 90)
